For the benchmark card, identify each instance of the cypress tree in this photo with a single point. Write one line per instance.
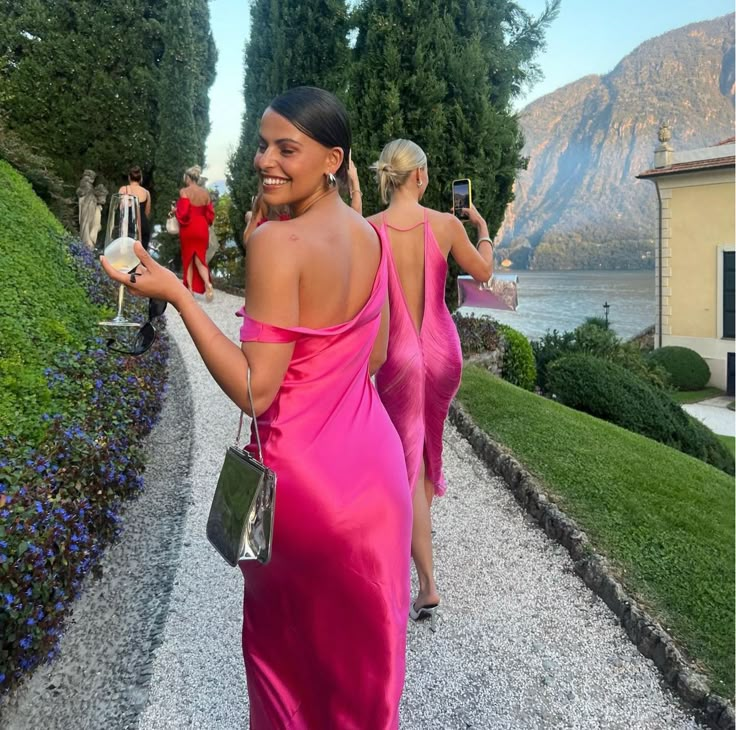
(444, 75)
(204, 61)
(179, 146)
(292, 43)
(77, 82)
(98, 85)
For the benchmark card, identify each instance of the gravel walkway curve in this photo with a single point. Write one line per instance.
(522, 643)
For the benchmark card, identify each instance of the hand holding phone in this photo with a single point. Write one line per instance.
(462, 197)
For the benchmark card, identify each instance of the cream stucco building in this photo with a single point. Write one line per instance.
(695, 252)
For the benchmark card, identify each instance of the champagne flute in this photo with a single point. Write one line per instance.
(123, 230)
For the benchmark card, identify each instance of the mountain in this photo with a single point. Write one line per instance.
(578, 203)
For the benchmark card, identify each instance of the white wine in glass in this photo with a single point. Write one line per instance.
(123, 230)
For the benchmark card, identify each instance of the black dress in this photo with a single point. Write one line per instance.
(145, 224)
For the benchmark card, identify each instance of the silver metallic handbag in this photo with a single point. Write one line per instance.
(240, 524)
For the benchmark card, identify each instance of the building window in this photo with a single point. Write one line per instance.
(729, 294)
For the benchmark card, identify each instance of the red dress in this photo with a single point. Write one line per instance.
(194, 234)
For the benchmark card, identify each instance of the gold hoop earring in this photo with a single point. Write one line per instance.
(419, 183)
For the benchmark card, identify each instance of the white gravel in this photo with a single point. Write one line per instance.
(522, 643)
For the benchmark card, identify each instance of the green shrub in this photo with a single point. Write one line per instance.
(630, 356)
(44, 308)
(686, 368)
(477, 334)
(593, 338)
(518, 358)
(39, 172)
(596, 340)
(609, 391)
(72, 420)
(547, 349)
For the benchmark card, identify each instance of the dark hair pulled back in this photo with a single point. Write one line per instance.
(321, 116)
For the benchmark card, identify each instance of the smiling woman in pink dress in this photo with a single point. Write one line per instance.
(423, 367)
(324, 622)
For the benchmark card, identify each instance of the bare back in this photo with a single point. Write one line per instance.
(197, 195)
(337, 254)
(406, 234)
(138, 190)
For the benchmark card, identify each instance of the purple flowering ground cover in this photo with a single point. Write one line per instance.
(65, 475)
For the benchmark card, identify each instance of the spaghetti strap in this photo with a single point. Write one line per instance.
(422, 222)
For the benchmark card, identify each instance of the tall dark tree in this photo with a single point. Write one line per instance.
(291, 43)
(77, 82)
(97, 85)
(443, 73)
(204, 60)
(187, 70)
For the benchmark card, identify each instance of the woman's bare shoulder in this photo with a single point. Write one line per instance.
(437, 218)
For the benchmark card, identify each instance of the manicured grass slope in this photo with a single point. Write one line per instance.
(665, 520)
(44, 309)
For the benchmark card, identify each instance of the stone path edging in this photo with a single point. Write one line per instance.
(648, 636)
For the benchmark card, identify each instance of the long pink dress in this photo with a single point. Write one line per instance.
(324, 622)
(423, 369)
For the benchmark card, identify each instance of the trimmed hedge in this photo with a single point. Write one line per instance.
(593, 338)
(518, 365)
(609, 391)
(686, 368)
(70, 442)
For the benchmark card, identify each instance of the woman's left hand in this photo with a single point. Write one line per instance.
(353, 179)
(150, 279)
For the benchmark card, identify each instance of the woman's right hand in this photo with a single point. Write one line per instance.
(151, 279)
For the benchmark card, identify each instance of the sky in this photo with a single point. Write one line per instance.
(588, 37)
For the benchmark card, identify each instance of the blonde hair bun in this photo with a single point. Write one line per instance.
(193, 173)
(397, 161)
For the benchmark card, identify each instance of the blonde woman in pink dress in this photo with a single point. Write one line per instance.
(324, 622)
(423, 367)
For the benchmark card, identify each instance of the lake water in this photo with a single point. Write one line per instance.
(564, 299)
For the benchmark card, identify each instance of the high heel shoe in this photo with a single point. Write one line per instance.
(430, 612)
(210, 294)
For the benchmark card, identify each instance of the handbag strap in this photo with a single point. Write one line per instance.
(255, 421)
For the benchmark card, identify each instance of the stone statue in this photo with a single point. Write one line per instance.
(91, 200)
(665, 135)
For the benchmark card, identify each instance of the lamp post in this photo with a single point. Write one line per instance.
(606, 307)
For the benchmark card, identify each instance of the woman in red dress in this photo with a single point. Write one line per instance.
(195, 213)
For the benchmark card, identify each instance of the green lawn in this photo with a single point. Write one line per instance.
(693, 396)
(664, 519)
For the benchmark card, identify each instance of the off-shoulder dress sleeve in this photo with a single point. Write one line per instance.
(183, 208)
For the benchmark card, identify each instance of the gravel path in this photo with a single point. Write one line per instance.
(521, 644)
(101, 677)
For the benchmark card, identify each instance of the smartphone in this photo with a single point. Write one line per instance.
(462, 196)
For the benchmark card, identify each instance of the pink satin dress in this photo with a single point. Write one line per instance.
(324, 622)
(424, 366)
